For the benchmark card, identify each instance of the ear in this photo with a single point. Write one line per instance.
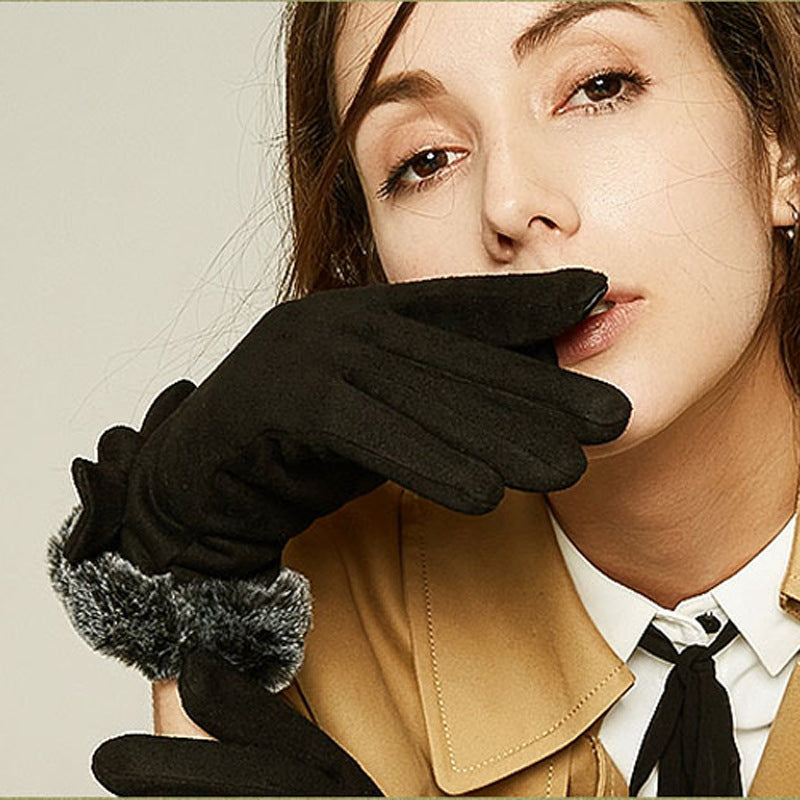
(783, 182)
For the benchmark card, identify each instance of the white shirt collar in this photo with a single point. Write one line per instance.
(750, 597)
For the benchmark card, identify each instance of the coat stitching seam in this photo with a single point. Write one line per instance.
(603, 775)
(440, 700)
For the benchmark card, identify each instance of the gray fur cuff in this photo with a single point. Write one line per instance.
(152, 621)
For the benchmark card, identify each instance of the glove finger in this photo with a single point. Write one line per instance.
(600, 410)
(141, 765)
(235, 709)
(530, 446)
(536, 395)
(502, 310)
(378, 437)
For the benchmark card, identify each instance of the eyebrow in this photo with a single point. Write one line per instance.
(421, 85)
(563, 16)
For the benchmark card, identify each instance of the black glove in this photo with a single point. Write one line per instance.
(449, 387)
(264, 747)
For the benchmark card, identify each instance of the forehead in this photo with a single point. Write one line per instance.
(443, 36)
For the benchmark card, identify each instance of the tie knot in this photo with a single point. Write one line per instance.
(696, 659)
(690, 735)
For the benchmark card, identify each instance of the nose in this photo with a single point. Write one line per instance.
(526, 205)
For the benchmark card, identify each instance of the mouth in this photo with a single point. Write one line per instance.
(601, 307)
(601, 328)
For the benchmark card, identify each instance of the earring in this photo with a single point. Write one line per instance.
(790, 231)
(369, 251)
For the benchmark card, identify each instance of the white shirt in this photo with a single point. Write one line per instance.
(754, 668)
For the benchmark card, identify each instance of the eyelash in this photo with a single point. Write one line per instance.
(392, 187)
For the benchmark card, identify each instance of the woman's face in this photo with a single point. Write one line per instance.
(609, 139)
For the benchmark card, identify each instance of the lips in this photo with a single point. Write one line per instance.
(597, 332)
(602, 306)
(619, 296)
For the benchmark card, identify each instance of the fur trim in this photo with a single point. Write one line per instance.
(151, 621)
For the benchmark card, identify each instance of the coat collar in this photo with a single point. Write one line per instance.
(790, 588)
(485, 609)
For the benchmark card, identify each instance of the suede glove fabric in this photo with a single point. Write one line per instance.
(448, 386)
(264, 747)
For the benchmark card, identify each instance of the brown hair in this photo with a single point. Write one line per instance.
(757, 44)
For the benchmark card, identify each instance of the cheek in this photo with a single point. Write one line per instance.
(415, 245)
(685, 228)
(407, 258)
(706, 298)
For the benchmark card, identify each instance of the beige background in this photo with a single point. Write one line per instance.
(132, 136)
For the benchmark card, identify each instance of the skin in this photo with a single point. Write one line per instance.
(169, 717)
(663, 195)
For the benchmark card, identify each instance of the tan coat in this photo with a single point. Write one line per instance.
(450, 654)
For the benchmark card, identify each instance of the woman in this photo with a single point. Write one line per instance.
(510, 652)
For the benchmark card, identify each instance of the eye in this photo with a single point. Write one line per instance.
(426, 163)
(606, 91)
(418, 170)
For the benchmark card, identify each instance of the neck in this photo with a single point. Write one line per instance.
(677, 514)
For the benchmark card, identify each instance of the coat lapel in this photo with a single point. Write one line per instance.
(510, 667)
(778, 773)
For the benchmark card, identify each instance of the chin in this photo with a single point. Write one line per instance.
(655, 406)
(630, 438)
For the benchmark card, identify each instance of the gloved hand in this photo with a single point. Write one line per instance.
(449, 387)
(264, 747)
